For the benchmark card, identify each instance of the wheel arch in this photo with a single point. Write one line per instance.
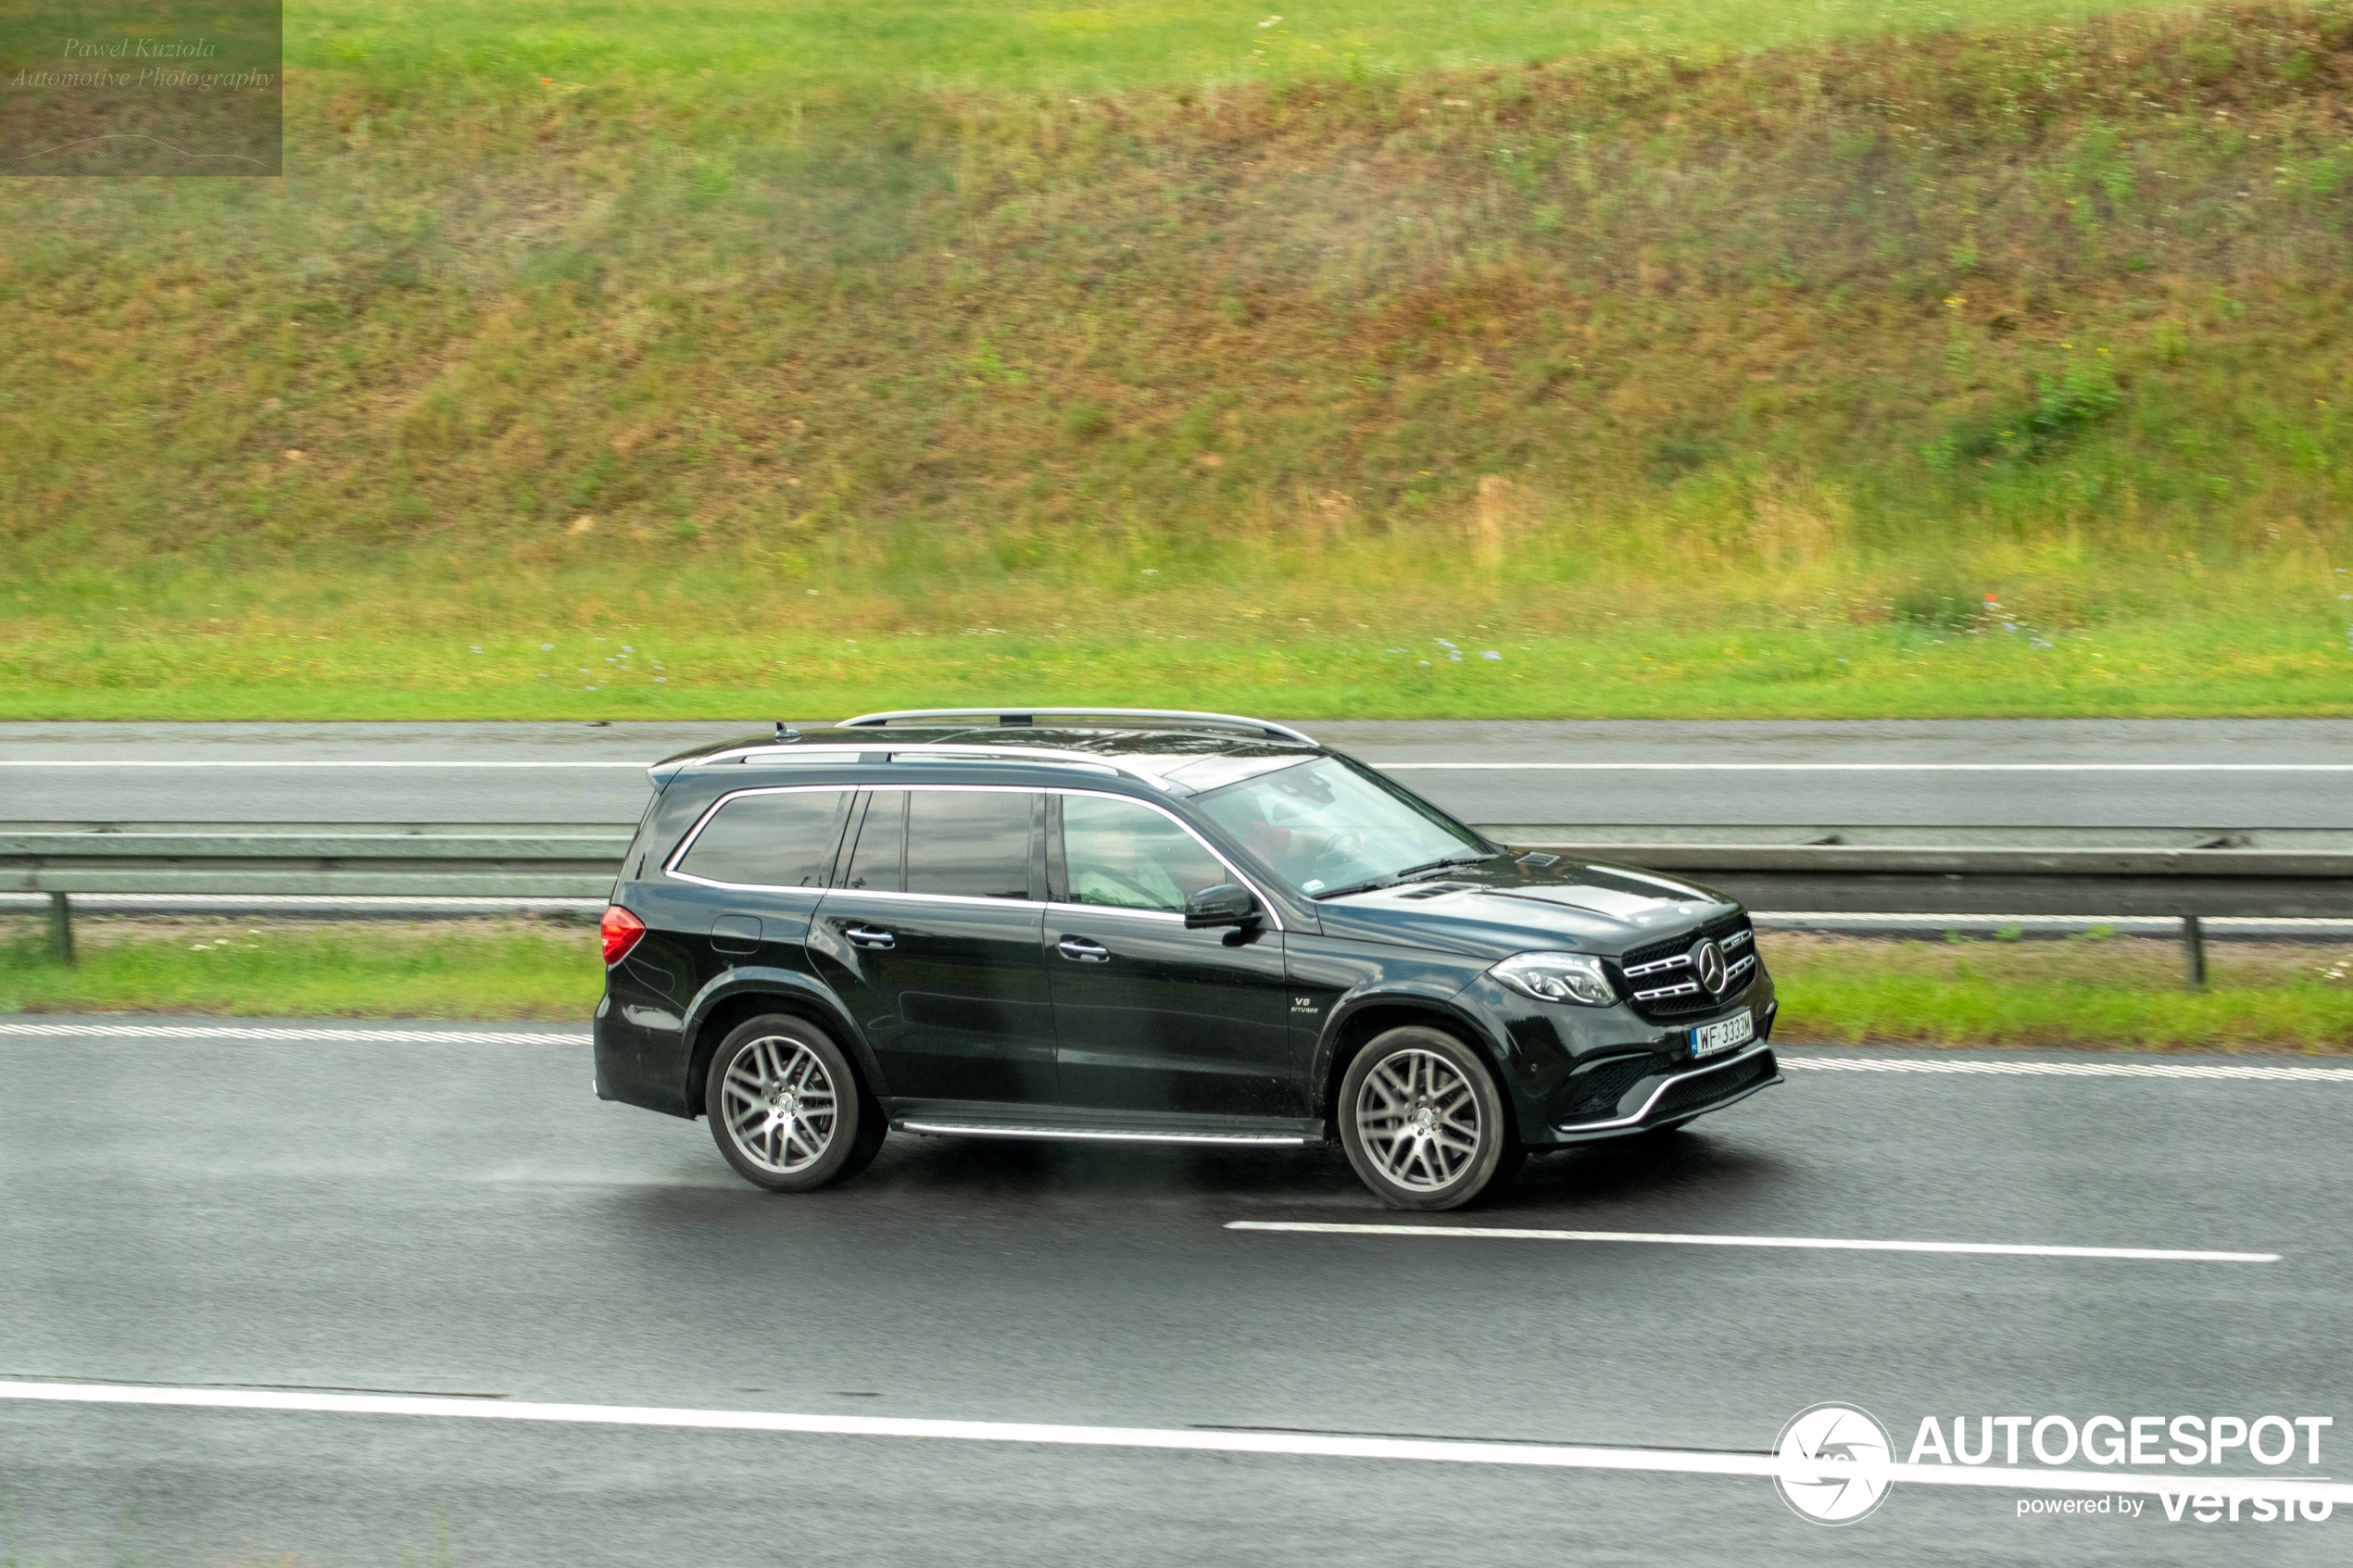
(1367, 1018)
(749, 995)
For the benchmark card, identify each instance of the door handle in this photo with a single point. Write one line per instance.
(1083, 950)
(868, 936)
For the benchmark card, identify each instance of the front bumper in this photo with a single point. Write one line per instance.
(1671, 1098)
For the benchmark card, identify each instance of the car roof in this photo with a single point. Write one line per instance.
(1167, 754)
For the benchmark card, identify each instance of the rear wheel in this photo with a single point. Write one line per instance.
(1423, 1122)
(787, 1108)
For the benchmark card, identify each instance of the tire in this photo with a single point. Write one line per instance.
(1423, 1122)
(787, 1108)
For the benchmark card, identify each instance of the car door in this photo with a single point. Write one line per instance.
(1149, 1016)
(931, 934)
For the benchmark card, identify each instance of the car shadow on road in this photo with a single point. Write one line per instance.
(951, 1179)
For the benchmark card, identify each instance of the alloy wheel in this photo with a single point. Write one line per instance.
(1419, 1121)
(780, 1104)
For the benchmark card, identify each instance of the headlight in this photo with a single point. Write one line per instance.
(1557, 977)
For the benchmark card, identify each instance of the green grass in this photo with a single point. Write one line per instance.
(852, 46)
(2123, 993)
(239, 971)
(713, 661)
(2082, 991)
(1690, 380)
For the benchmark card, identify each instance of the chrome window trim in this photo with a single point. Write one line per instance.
(1069, 908)
(1264, 903)
(1664, 1085)
(978, 898)
(669, 866)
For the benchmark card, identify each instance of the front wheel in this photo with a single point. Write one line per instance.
(1423, 1122)
(785, 1107)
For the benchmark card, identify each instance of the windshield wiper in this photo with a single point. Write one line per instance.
(1461, 857)
(1392, 879)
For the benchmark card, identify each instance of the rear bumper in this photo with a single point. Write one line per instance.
(1672, 1099)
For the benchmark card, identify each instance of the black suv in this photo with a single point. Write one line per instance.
(1145, 927)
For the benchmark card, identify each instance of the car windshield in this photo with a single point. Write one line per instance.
(1327, 827)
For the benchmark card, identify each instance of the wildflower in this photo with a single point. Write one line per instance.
(546, 647)
(1491, 653)
(1270, 21)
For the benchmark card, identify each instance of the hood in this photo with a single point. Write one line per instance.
(1513, 904)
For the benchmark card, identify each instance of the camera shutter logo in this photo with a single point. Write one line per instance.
(1832, 1463)
(1707, 962)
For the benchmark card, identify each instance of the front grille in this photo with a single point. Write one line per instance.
(1658, 978)
(1703, 1087)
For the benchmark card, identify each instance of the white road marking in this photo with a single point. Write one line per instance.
(237, 1032)
(1818, 1244)
(1866, 767)
(287, 763)
(2126, 1069)
(1549, 1456)
(1397, 766)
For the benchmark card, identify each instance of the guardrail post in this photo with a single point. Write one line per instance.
(2194, 952)
(61, 929)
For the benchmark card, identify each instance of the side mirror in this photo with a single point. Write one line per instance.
(1228, 903)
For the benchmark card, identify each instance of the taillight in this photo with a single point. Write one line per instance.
(620, 930)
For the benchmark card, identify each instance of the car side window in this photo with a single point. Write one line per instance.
(783, 840)
(1128, 856)
(973, 843)
(878, 864)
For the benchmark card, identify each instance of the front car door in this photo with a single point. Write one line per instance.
(1152, 1017)
(931, 935)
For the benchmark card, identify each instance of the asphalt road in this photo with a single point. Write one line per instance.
(465, 1219)
(2105, 773)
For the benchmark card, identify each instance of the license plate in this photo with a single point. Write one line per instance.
(1709, 1038)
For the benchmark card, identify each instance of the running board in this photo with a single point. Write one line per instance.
(1107, 1135)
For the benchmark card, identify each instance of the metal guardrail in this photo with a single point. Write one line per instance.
(2213, 875)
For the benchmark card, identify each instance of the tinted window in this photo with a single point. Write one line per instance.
(771, 840)
(970, 841)
(1131, 857)
(875, 864)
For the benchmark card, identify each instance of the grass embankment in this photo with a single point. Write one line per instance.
(2120, 993)
(1684, 382)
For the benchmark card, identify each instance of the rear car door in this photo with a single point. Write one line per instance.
(1149, 1016)
(931, 935)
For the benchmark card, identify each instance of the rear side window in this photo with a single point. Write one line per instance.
(972, 843)
(785, 840)
(878, 864)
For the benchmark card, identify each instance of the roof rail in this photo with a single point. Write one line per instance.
(1027, 715)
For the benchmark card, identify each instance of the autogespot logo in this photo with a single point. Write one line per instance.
(1832, 1463)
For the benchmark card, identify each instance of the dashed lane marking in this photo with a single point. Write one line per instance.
(1806, 1243)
